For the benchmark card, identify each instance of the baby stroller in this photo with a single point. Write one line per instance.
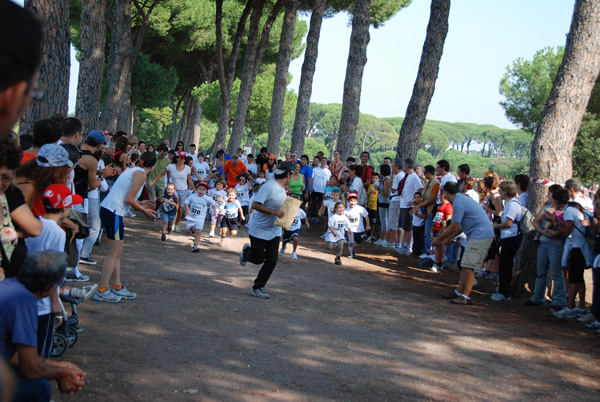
(67, 329)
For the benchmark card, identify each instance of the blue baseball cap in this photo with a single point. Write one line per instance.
(95, 137)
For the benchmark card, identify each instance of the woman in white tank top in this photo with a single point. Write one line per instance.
(123, 195)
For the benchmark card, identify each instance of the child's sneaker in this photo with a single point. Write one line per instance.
(169, 229)
(338, 261)
(437, 268)
(195, 249)
(294, 255)
(211, 234)
(163, 237)
(282, 252)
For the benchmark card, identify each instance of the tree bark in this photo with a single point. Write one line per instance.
(552, 148)
(254, 54)
(55, 64)
(226, 81)
(119, 66)
(281, 71)
(412, 126)
(357, 58)
(306, 78)
(196, 127)
(91, 62)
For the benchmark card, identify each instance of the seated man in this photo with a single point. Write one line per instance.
(38, 278)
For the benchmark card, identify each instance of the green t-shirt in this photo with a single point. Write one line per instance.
(159, 167)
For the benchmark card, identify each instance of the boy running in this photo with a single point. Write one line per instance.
(196, 206)
(292, 234)
(338, 224)
(168, 210)
(231, 210)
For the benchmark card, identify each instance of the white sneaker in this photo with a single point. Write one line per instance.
(378, 242)
(436, 268)
(424, 255)
(211, 234)
(176, 228)
(294, 255)
(282, 252)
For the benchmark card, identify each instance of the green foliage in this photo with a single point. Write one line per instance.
(154, 124)
(151, 84)
(586, 150)
(526, 85)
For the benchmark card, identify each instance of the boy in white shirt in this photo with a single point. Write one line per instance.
(329, 206)
(219, 195)
(292, 234)
(202, 168)
(231, 212)
(355, 214)
(242, 190)
(251, 166)
(196, 206)
(338, 224)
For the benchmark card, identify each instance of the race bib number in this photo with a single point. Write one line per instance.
(295, 222)
(168, 207)
(201, 172)
(197, 208)
(240, 194)
(438, 217)
(231, 214)
(340, 225)
(353, 219)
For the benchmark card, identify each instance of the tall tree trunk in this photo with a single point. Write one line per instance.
(91, 62)
(552, 147)
(196, 128)
(306, 78)
(55, 64)
(357, 58)
(175, 112)
(226, 81)
(281, 71)
(412, 126)
(119, 66)
(254, 54)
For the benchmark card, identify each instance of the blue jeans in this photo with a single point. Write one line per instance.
(549, 256)
(427, 235)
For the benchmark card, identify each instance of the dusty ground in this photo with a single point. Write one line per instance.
(374, 329)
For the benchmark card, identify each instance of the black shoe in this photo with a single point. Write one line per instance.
(529, 303)
(163, 237)
(555, 307)
(450, 296)
(461, 300)
(338, 261)
(169, 228)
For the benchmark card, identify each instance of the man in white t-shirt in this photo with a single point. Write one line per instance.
(392, 234)
(264, 235)
(575, 189)
(320, 176)
(412, 184)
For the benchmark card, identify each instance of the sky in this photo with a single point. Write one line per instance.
(484, 37)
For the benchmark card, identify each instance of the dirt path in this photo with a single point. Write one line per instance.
(373, 329)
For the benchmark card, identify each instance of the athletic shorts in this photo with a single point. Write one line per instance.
(168, 216)
(230, 223)
(197, 224)
(113, 224)
(288, 235)
(405, 219)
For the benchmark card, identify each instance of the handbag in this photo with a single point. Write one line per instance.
(80, 219)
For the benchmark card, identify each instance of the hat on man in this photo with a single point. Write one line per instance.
(60, 197)
(52, 155)
(284, 167)
(95, 138)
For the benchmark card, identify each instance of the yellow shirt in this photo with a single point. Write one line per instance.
(372, 194)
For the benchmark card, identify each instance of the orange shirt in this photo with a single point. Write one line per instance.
(27, 156)
(233, 172)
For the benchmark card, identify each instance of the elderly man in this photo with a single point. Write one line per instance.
(232, 169)
(469, 218)
(39, 277)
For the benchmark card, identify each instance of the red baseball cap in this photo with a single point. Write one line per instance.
(60, 196)
(180, 154)
(203, 184)
(353, 195)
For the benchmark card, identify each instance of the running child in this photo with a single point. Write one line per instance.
(242, 190)
(292, 234)
(355, 214)
(338, 224)
(329, 206)
(231, 210)
(219, 195)
(168, 210)
(261, 177)
(196, 206)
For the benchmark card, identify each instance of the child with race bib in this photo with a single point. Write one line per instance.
(337, 224)
(231, 210)
(168, 210)
(196, 207)
(219, 196)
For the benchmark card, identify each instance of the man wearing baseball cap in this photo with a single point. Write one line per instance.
(264, 235)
